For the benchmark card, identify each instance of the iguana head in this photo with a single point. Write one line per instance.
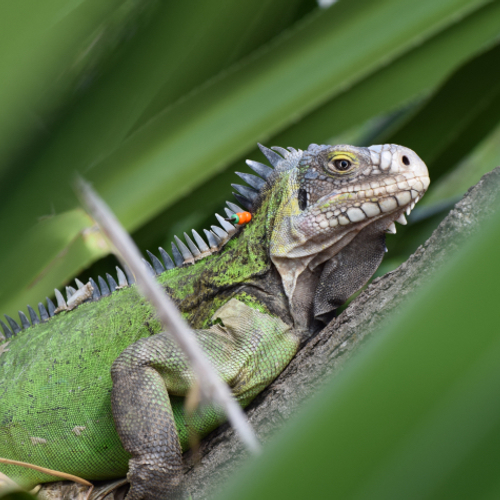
(327, 195)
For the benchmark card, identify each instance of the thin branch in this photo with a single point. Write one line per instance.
(211, 386)
(62, 475)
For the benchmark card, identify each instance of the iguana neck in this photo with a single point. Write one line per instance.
(243, 259)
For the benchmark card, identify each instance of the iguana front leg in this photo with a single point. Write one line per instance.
(144, 420)
(248, 349)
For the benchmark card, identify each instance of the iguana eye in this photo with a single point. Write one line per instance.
(342, 165)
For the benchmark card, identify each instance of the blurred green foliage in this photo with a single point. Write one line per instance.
(157, 103)
(17, 495)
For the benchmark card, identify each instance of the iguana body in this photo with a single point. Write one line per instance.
(99, 390)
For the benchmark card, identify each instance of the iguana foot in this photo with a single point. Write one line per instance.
(150, 480)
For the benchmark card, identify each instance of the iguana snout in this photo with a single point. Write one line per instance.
(333, 193)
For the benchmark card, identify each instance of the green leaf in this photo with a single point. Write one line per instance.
(48, 49)
(413, 75)
(483, 159)
(413, 415)
(153, 68)
(458, 116)
(30, 268)
(16, 495)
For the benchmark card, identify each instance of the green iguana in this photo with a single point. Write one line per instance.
(98, 391)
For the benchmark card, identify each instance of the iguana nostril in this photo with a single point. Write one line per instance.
(405, 159)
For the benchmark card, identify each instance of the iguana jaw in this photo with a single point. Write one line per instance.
(389, 180)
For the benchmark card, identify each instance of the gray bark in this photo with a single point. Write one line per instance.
(221, 452)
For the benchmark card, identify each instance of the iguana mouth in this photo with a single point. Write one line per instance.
(370, 201)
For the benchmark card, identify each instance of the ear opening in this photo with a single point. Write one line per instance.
(302, 198)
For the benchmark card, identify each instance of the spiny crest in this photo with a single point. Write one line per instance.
(183, 253)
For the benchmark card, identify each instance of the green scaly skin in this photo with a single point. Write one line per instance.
(99, 391)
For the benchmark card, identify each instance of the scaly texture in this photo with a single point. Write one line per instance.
(99, 390)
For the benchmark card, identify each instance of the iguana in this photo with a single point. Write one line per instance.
(93, 387)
